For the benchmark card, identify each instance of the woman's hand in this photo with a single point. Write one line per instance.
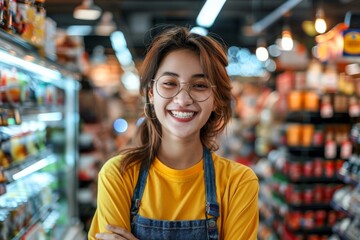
(117, 233)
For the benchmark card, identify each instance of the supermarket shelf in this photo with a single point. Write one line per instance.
(315, 118)
(15, 51)
(74, 232)
(29, 165)
(305, 180)
(41, 216)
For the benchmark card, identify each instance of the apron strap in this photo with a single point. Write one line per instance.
(212, 206)
(138, 192)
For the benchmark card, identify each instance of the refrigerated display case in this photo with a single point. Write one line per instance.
(39, 145)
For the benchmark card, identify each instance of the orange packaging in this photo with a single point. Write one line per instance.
(295, 101)
(293, 135)
(311, 101)
(307, 134)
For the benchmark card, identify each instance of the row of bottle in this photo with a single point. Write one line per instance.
(24, 144)
(305, 194)
(312, 169)
(331, 77)
(25, 18)
(327, 104)
(312, 219)
(322, 78)
(331, 136)
(334, 89)
(18, 208)
(19, 87)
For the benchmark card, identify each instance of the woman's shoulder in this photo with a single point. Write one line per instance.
(232, 169)
(112, 166)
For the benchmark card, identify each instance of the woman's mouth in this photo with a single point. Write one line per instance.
(182, 115)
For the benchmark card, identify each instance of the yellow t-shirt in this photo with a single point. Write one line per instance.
(171, 194)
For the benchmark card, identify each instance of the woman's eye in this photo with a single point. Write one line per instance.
(170, 83)
(200, 86)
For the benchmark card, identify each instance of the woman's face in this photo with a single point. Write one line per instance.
(181, 117)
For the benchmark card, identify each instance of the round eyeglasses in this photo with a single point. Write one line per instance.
(199, 89)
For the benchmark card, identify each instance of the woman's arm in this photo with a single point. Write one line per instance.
(242, 219)
(113, 200)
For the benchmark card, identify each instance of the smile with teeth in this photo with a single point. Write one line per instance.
(179, 114)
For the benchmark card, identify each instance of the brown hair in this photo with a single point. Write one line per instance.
(213, 60)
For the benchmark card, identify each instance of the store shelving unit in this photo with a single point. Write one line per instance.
(295, 200)
(39, 144)
(347, 199)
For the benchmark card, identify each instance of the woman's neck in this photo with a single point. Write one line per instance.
(180, 155)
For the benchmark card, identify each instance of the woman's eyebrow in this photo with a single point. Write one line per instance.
(170, 74)
(197, 75)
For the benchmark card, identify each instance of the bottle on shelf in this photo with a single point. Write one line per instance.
(38, 36)
(30, 20)
(21, 16)
(8, 12)
(1, 12)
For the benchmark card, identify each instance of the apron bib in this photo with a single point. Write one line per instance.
(146, 228)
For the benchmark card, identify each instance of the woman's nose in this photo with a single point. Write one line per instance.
(183, 98)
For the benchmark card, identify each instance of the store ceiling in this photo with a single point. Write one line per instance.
(136, 17)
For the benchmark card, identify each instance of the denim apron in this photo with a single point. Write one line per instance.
(145, 228)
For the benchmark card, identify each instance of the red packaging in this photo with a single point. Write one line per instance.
(318, 194)
(318, 167)
(294, 219)
(308, 196)
(328, 193)
(286, 168)
(331, 218)
(309, 219)
(320, 216)
(329, 168)
(296, 197)
(295, 170)
(308, 169)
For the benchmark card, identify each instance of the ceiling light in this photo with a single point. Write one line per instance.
(209, 12)
(87, 11)
(320, 23)
(287, 42)
(261, 52)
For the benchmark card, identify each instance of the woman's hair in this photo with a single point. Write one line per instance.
(213, 60)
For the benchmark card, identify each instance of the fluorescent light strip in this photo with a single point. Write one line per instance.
(118, 41)
(209, 12)
(124, 57)
(199, 30)
(79, 30)
(29, 66)
(273, 16)
(34, 167)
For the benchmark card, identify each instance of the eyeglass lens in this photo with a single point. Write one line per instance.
(168, 86)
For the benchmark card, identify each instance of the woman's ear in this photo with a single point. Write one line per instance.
(151, 95)
(215, 107)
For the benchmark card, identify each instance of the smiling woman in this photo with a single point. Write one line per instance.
(170, 184)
